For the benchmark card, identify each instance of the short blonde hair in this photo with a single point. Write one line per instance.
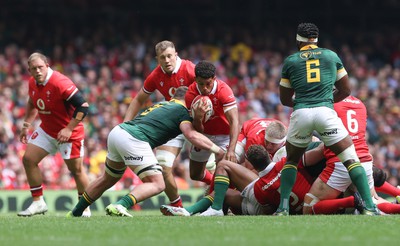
(163, 45)
(276, 130)
(35, 56)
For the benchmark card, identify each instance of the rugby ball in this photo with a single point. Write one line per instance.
(204, 100)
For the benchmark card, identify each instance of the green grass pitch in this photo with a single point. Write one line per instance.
(152, 228)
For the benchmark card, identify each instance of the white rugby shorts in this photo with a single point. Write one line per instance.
(70, 150)
(337, 176)
(250, 205)
(177, 142)
(123, 147)
(201, 155)
(324, 120)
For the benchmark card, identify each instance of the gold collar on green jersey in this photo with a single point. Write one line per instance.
(178, 102)
(309, 47)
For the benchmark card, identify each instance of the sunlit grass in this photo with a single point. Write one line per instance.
(151, 228)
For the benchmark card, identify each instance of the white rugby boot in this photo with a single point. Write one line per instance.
(117, 210)
(168, 210)
(36, 207)
(212, 212)
(87, 213)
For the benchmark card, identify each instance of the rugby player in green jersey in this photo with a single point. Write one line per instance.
(130, 144)
(309, 77)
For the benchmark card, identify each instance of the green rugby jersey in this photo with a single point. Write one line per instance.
(312, 73)
(159, 123)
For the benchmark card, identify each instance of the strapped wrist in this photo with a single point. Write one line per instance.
(214, 148)
(26, 125)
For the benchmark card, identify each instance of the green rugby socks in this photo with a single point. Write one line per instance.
(221, 185)
(288, 178)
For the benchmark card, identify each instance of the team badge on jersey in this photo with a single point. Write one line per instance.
(305, 55)
(34, 135)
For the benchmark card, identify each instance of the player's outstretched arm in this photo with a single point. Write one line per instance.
(199, 140)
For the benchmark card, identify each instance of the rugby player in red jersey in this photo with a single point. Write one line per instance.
(61, 109)
(222, 127)
(130, 145)
(335, 179)
(256, 194)
(171, 73)
(269, 133)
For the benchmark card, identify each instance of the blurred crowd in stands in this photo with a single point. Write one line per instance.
(109, 68)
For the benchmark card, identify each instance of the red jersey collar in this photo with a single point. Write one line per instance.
(177, 65)
(49, 73)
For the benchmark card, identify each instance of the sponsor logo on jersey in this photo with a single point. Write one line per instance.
(44, 112)
(171, 91)
(308, 54)
(40, 104)
(351, 101)
(133, 158)
(34, 135)
(270, 183)
(162, 83)
(329, 133)
(302, 137)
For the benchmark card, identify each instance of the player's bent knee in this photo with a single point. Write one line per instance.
(165, 158)
(222, 164)
(153, 174)
(113, 172)
(144, 171)
(309, 201)
(160, 186)
(28, 162)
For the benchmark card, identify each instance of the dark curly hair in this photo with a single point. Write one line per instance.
(205, 70)
(308, 30)
(258, 156)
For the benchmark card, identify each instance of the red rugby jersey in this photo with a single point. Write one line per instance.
(266, 188)
(353, 114)
(166, 84)
(221, 96)
(254, 131)
(51, 101)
